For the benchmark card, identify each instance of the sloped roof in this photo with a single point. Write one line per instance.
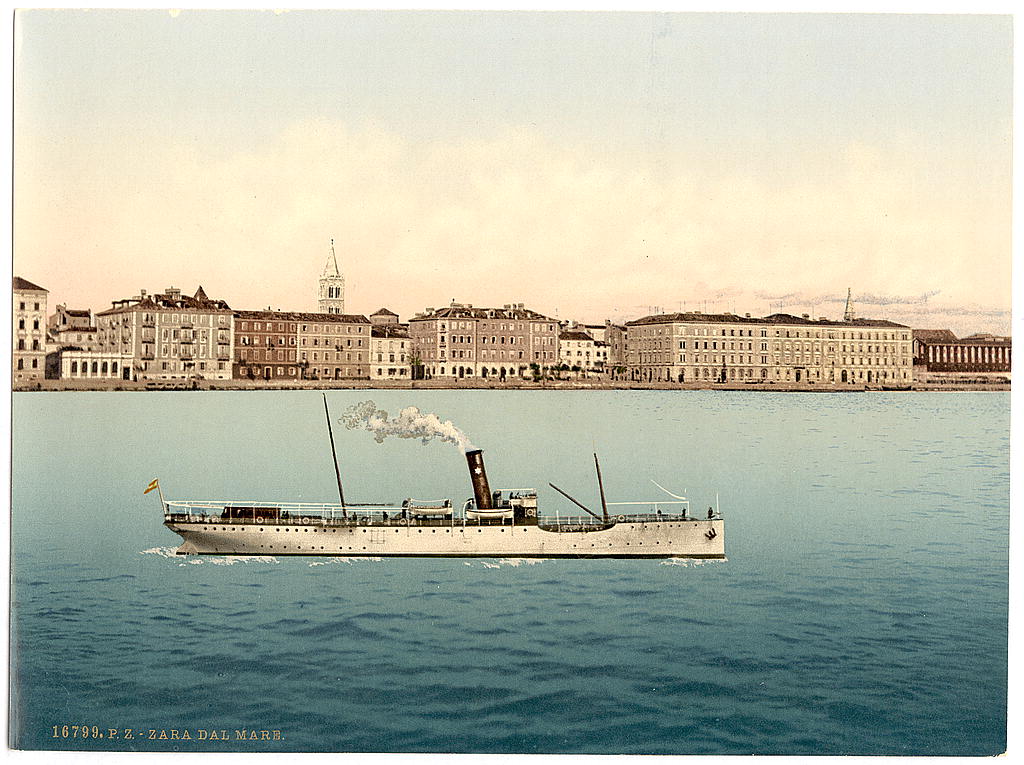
(175, 302)
(24, 285)
(775, 318)
(390, 330)
(469, 312)
(574, 334)
(383, 312)
(935, 335)
(322, 318)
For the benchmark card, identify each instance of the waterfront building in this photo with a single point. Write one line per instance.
(331, 292)
(579, 352)
(390, 349)
(72, 328)
(266, 346)
(78, 364)
(462, 341)
(781, 348)
(940, 351)
(333, 346)
(615, 335)
(168, 335)
(28, 357)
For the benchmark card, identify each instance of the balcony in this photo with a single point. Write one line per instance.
(149, 321)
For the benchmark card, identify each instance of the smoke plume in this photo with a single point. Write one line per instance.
(409, 423)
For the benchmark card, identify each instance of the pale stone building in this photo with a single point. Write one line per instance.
(72, 328)
(72, 364)
(28, 357)
(390, 349)
(578, 351)
(781, 348)
(462, 341)
(169, 336)
(331, 291)
(333, 346)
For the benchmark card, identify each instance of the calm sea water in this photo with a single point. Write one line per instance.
(862, 608)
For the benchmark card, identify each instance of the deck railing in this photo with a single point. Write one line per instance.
(327, 514)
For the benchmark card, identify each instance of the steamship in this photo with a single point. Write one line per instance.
(505, 523)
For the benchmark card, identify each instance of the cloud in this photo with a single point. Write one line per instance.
(511, 217)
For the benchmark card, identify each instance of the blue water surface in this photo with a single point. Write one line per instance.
(862, 608)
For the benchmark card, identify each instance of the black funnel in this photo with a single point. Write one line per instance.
(478, 475)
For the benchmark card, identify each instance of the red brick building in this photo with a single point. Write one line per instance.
(266, 346)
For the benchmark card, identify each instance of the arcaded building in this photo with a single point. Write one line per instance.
(940, 351)
(781, 348)
(462, 341)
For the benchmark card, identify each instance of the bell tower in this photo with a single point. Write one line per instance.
(332, 286)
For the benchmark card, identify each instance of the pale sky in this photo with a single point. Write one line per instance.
(589, 165)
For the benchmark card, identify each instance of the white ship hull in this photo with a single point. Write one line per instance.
(691, 538)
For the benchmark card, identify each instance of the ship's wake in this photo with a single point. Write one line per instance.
(691, 562)
(513, 562)
(348, 560)
(196, 560)
(163, 552)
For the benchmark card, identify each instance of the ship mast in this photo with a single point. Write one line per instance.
(334, 456)
(600, 486)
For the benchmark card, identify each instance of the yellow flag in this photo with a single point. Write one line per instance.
(152, 485)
